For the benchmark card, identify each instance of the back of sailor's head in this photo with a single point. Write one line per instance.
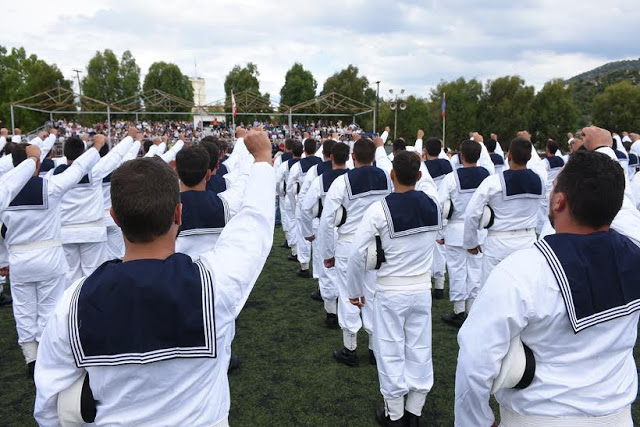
(433, 146)
(470, 151)
(73, 148)
(340, 153)
(144, 195)
(192, 164)
(297, 149)
(406, 168)
(310, 146)
(520, 151)
(213, 150)
(327, 145)
(364, 150)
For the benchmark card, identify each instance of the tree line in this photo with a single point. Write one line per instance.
(503, 105)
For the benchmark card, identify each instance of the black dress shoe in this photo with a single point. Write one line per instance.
(438, 293)
(31, 369)
(291, 257)
(285, 245)
(5, 299)
(384, 420)
(331, 321)
(234, 364)
(412, 419)
(304, 273)
(316, 295)
(348, 357)
(454, 319)
(372, 357)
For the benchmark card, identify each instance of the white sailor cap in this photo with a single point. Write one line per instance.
(76, 406)
(447, 209)
(518, 367)
(488, 216)
(341, 217)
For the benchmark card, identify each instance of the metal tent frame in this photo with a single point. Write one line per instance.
(331, 104)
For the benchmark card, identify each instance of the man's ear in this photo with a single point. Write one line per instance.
(419, 175)
(207, 176)
(353, 157)
(393, 175)
(177, 215)
(113, 216)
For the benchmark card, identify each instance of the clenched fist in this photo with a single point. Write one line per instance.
(258, 145)
(98, 141)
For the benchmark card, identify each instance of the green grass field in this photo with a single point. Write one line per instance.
(288, 376)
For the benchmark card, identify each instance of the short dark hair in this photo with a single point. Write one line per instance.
(211, 138)
(520, 150)
(594, 186)
(104, 150)
(491, 145)
(192, 164)
(19, 153)
(433, 146)
(146, 144)
(470, 151)
(73, 148)
(144, 196)
(552, 146)
(310, 146)
(327, 146)
(627, 145)
(288, 143)
(340, 153)
(297, 149)
(365, 150)
(399, 145)
(214, 152)
(407, 167)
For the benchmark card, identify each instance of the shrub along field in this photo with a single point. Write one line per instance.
(287, 375)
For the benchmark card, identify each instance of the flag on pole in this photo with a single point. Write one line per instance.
(233, 104)
(444, 104)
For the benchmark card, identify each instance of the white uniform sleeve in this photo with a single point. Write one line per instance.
(384, 136)
(65, 181)
(13, 181)
(382, 161)
(56, 369)
(418, 146)
(499, 314)
(306, 183)
(326, 230)
(365, 234)
(307, 203)
(245, 242)
(473, 213)
(36, 141)
(161, 149)
(133, 152)
(426, 183)
(112, 159)
(3, 142)
(234, 194)
(152, 151)
(292, 184)
(6, 164)
(280, 175)
(485, 160)
(236, 156)
(46, 146)
(170, 155)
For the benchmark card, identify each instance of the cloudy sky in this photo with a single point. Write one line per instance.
(408, 44)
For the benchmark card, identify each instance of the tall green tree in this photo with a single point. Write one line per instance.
(505, 107)
(350, 83)
(462, 110)
(168, 78)
(299, 86)
(103, 80)
(616, 109)
(22, 76)
(240, 79)
(554, 113)
(130, 75)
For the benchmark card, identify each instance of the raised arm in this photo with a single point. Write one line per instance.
(418, 144)
(170, 155)
(48, 143)
(6, 164)
(61, 183)
(235, 193)
(246, 241)
(382, 161)
(112, 159)
(133, 152)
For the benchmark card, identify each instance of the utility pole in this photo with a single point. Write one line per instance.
(377, 118)
(78, 77)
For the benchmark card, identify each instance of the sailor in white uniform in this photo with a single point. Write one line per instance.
(33, 237)
(204, 213)
(514, 196)
(438, 168)
(633, 160)
(3, 138)
(465, 269)
(115, 242)
(282, 175)
(277, 163)
(314, 172)
(553, 164)
(553, 330)
(310, 210)
(17, 136)
(294, 185)
(497, 158)
(349, 197)
(154, 326)
(84, 234)
(484, 160)
(399, 234)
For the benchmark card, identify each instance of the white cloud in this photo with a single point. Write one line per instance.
(408, 44)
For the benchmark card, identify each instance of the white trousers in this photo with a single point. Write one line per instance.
(328, 288)
(83, 259)
(465, 273)
(33, 303)
(115, 243)
(402, 344)
(348, 314)
(439, 262)
(284, 219)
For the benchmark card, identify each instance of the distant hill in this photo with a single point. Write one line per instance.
(586, 86)
(608, 68)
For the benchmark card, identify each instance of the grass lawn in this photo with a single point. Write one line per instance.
(288, 376)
